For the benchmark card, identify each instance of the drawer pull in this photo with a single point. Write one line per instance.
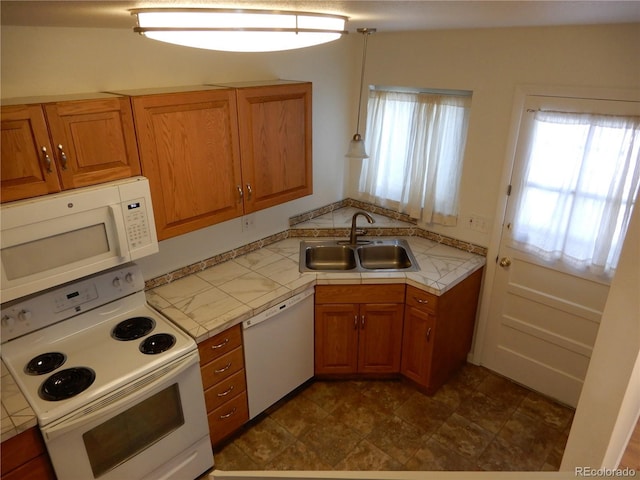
(223, 369)
(227, 415)
(419, 300)
(220, 345)
(428, 334)
(226, 392)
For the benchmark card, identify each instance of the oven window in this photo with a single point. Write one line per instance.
(125, 435)
(47, 253)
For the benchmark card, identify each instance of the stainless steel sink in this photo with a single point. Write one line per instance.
(329, 258)
(384, 257)
(392, 255)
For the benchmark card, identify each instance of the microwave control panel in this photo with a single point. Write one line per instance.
(136, 221)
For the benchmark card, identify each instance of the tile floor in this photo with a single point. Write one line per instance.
(477, 421)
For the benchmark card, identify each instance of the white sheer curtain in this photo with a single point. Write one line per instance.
(416, 144)
(580, 184)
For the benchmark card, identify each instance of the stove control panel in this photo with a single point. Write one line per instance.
(29, 314)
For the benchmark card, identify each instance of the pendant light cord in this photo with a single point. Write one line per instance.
(365, 32)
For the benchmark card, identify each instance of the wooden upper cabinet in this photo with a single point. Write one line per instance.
(275, 143)
(28, 168)
(94, 140)
(189, 150)
(51, 146)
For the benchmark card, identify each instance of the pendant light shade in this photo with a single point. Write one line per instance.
(356, 145)
(238, 30)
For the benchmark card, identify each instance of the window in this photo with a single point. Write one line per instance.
(416, 143)
(580, 182)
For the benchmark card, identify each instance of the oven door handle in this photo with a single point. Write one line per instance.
(110, 405)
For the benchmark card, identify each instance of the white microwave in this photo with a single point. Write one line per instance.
(50, 240)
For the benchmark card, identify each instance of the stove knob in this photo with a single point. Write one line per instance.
(116, 282)
(129, 278)
(8, 322)
(24, 315)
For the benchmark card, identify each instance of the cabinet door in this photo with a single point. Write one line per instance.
(190, 152)
(336, 338)
(94, 141)
(275, 142)
(380, 342)
(417, 348)
(26, 171)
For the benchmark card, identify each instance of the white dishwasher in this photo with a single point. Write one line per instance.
(278, 351)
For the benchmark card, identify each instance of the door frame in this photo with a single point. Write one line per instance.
(483, 324)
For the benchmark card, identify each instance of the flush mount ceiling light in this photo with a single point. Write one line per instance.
(238, 30)
(356, 145)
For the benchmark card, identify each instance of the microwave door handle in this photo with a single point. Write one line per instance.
(121, 235)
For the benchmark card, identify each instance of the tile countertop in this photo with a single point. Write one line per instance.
(212, 300)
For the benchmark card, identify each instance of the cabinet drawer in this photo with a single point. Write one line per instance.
(223, 367)
(222, 391)
(421, 300)
(220, 345)
(227, 418)
(360, 293)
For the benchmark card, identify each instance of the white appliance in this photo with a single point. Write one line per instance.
(115, 386)
(278, 350)
(53, 239)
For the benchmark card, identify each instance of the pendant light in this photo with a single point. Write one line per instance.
(238, 30)
(356, 145)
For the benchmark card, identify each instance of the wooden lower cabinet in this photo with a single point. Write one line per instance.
(24, 457)
(362, 336)
(224, 382)
(438, 331)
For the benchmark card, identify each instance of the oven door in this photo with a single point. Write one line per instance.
(154, 428)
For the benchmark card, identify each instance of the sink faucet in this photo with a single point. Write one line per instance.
(353, 237)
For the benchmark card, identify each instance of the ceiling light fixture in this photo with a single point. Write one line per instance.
(356, 145)
(238, 30)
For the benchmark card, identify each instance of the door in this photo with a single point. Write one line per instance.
(190, 152)
(94, 140)
(336, 338)
(380, 342)
(275, 142)
(417, 348)
(28, 166)
(547, 302)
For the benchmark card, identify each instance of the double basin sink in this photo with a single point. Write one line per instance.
(392, 255)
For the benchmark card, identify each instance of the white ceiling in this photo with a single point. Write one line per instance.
(383, 15)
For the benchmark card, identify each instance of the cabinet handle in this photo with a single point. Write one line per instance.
(362, 321)
(428, 334)
(226, 392)
(63, 157)
(47, 159)
(249, 191)
(355, 322)
(240, 192)
(220, 345)
(419, 300)
(227, 415)
(223, 369)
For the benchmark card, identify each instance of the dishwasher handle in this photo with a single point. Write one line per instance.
(270, 312)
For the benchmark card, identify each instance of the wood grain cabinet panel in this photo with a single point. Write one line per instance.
(24, 457)
(189, 150)
(275, 143)
(362, 338)
(224, 382)
(60, 145)
(438, 332)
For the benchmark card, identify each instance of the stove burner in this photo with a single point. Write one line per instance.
(45, 363)
(158, 343)
(66, 383)
(133, 328)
